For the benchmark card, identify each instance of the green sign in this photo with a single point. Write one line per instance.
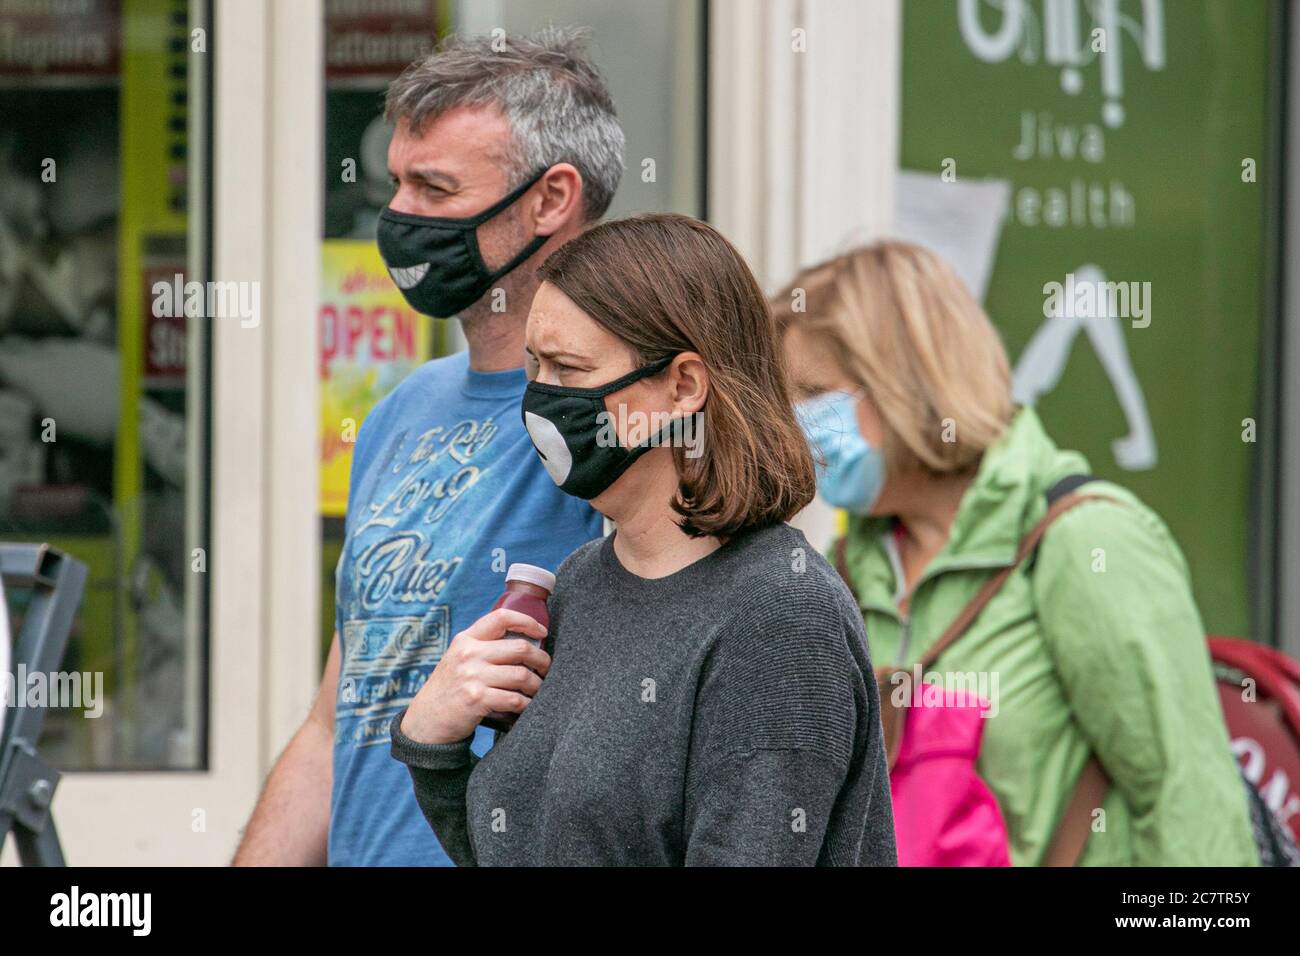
(1096, 170)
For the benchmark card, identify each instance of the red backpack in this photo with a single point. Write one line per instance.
(1259, 688)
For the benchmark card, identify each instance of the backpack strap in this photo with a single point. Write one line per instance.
(1075, 825)
(1066, 485)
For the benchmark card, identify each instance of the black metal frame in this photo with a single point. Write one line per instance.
(27, 782)
(1265, 560)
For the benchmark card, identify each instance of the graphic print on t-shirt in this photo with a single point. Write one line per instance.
(445, 491)
(396, 564)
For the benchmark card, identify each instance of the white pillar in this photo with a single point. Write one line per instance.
(265, 481)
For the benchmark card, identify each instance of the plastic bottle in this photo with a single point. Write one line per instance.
(527, 589)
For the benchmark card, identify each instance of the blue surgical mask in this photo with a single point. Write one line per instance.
(850, 471)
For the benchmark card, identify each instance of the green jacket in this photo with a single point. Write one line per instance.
(1098, 646)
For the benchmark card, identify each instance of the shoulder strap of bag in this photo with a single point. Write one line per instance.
(1076, 822)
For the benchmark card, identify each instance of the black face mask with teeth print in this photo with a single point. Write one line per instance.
(572, 432)
(435, 260)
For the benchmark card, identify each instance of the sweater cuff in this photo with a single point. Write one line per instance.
(451, 756)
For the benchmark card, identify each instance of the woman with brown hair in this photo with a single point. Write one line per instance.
(1105, 743)
(707, 696)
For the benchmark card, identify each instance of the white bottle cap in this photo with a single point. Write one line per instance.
(531, 574)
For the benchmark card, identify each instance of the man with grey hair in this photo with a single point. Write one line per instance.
(503, 150)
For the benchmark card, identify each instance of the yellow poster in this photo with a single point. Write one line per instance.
(370, 340)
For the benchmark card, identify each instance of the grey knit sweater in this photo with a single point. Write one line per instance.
(724, 714)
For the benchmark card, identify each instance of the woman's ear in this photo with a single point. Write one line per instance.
(689, 380)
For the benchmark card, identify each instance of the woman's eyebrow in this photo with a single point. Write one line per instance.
(553, 354)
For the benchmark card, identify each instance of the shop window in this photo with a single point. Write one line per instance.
(102, 400)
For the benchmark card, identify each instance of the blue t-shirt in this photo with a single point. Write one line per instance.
(446, 491)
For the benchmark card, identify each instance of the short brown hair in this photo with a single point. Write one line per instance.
(666, 284)
(900, 323)
(552, 96)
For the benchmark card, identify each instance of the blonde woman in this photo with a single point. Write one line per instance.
(905, 393)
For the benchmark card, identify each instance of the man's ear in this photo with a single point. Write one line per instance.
(689, 379)
(557, 199)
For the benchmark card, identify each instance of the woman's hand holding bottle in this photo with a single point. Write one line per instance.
(483, 672)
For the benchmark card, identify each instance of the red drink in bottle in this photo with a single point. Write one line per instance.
(527, 589)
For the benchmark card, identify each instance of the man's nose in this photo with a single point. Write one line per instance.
(406, 200)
